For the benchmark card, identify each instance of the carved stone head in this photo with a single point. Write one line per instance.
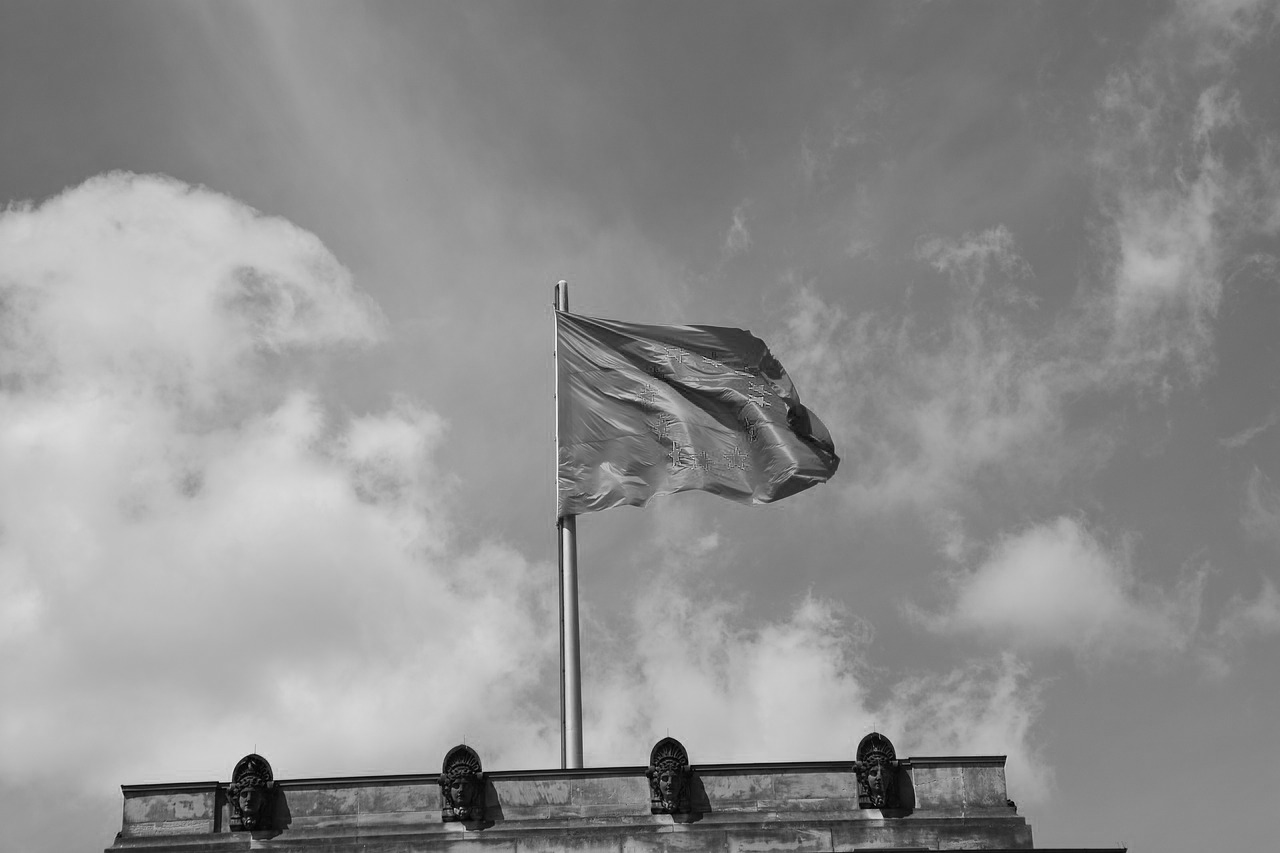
(668, 774)
(877, 769)
(252, 792)
(461, 783)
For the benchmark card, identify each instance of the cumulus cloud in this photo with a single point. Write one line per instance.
(198, 554)
(1055, 586)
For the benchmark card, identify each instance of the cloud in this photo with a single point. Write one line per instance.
(1240, 439)
(945, 415)
(1055, 586)
(1261, 519)
(738, 240)
(246, 289)
(923, 411)
(1175, 206)
(200, 554)
(982, 708)
(1243, 619)
(728, 689)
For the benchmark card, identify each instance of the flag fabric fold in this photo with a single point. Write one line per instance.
(653, 410)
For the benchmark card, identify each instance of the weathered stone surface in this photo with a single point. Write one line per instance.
(743, 788)
(529, 792)
(320, 801)
(674, 839)
(611, 789)
(169, 827)
(955, 803)
(569, 843)
(781, 839)
(876, 835)
(809, 786)
(938, 787)
(176, 807)
(396, 798)
(984, 786)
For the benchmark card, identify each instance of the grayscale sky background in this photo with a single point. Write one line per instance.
(275, 377)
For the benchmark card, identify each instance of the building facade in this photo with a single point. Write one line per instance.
(875, 801)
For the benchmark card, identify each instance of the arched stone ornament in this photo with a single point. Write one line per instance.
(461, 785)
(252, 793)
(669, 777)
(877, 770)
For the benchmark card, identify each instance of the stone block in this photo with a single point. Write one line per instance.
(326, 822)
(938, 787)
(476, 844)
(529, 792)
(984, 786)
(809, 786)
(821, 804)
(148, 829)
(160, 808)
(879, 834)
(731, 788)
(371, 820)
(672, 839)
(315, 802)
(569, 842)
(397, 798)
(800, 840)
(611, 789)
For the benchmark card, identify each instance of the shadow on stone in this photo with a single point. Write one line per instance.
(699, 802)
(283, 817)
(492, 808)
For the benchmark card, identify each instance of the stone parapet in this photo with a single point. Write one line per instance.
(944, 803)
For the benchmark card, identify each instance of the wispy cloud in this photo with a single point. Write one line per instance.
(1245, 618)
(694, 666)
(1261, 519)
(738, 238)
(940, 415)
(924, 410)
(1240, 439)
(1176, 207)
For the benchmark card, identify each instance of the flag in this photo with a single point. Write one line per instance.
(653, 410)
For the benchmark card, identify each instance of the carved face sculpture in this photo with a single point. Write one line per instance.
(669, 777)
(461, 791)
(878, 782)
(249, 802)
(877, 769)
(461, 785)
(670, 783)
(249, 798)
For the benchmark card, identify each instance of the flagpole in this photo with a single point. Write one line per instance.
(567, 536)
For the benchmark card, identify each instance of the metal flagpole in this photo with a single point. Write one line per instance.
(567, 536)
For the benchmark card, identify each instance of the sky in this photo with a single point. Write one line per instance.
(276, 420)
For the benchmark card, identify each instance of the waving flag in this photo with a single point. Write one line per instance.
(653, 410)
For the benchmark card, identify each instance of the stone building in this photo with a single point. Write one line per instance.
(874, 800)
